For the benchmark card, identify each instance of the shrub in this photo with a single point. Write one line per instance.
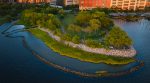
(66, 37)
(58, 32)
(76, 39)
(93, 43)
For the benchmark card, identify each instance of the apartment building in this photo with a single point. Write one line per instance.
(90, 4)
(128, 4)
(71, 2)
(148, 3)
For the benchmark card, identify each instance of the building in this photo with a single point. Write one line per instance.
(71, 2)
(148, 3)
(90, 4)
(118, 4)
(128, 4)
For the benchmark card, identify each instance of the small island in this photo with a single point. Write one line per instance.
(89, 36)
(86, 35)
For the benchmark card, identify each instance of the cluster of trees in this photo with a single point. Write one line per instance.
(93, 43)
(34, 19)
(75, 39)
(12, 11)
(95, 29)
(8, 12)
(90, 27)
(47, 9)
(118, 38)
(89, 22)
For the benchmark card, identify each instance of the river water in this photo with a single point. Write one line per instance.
(19, 65)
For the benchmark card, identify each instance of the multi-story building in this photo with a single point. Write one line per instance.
(89, 4)
(71, 2)
(128, 4)
(119, 4)
(148, 3)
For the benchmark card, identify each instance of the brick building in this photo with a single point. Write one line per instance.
(90, 4)
(118, 4)
(128, 4)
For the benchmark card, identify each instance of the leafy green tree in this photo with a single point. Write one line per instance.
(61, 13)
(76, 39)
(50, 25)
(58, 32)
(95, 24)
(88, 29)
(74, 28)
(67, 37)
(118, 38)
(82, 18)
(93, 43)
(32, 18)
(98, 14)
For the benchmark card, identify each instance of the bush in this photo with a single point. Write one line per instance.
(58, 32)
(76, 39)
(93, 43)
(74, 28)
(66, 37)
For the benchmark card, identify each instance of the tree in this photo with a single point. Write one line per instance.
(93, 43)
(32, 18)
(76, 39)
(118, 38)
(95, 24)
(67, 37)
(88, 29)
(82, 18)
(74, 28)
(98, 14)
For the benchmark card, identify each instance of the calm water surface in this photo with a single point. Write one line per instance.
(18, 65)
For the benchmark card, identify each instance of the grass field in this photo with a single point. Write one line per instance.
(77, 53)
(68, 19)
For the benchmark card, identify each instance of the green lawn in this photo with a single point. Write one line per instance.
(76, 53)
(68, 19)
